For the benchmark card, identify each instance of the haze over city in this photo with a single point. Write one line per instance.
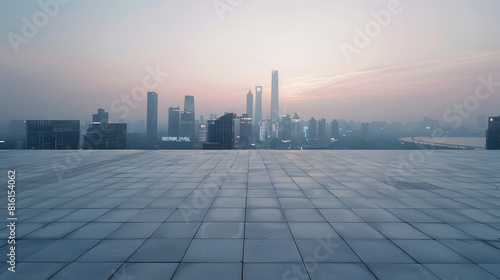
(427, 58)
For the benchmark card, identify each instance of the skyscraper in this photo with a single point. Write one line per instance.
(258, 105)
(104, 135)
(187, 118)
(250, 104)
(286, 123)
(335, 129)
(101, 117)
(493, 134)
(152, 115)
(275, 102)
(187, 125)
(322, 129)
(221, 133)
(245, 131)
(296, 130)
(313, 128)
(189, 104)
(174, 122)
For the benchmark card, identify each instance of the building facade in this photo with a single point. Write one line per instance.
(275, 98)
(52, 134)
(174, 122)
(152, 115)
(493, 134)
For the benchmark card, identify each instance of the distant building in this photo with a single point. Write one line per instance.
(322, 129)
(286, 127)
(213, 116)
(275, 98)
(335, 129)
(258, 105)
(263, 130)
(174, 122)
(245, 131)
(221, 133)
(106, 136)
(202, 133)
(296, 131)
(493, 134)
(250, 104)
(187, 125)
(236, 131)
(152, 115)
(188, 118)
(102, 117)
(313, 128)
(53, 134)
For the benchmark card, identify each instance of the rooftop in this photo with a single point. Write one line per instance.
(256, 214)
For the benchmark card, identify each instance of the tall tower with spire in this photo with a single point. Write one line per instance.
(258, 105)
(275, 98)
(250, 104)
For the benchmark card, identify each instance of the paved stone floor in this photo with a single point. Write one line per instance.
(253, 215)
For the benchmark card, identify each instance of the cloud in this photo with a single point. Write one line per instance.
(443, 75)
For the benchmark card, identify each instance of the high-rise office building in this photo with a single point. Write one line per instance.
(263, 130)
(335, 129)
(202, 133)
(53, 134)
(245, 131)
(322, 129)
(221, 133)
(188, 118)
(313, 128)
(174, 122)
(275, 98)
(296, 128)
(152, 115)
(493, 134)
(104, 135)
(286, 126)
(189, 104)
(187, 125)
(250, 104)
(102, 117)
(258, 105)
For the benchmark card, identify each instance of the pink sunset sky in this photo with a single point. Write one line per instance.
(428, 57)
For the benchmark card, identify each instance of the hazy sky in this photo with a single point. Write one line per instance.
(89, 54)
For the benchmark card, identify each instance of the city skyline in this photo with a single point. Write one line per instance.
(195, 50)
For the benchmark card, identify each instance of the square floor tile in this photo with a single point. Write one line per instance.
(430, 251)
(351, 271)
(401, 271)
(145, 271)
(271, 250)
(111, 251)
(161, 250)
(221, 230)
(215, 250)
(208, 271)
